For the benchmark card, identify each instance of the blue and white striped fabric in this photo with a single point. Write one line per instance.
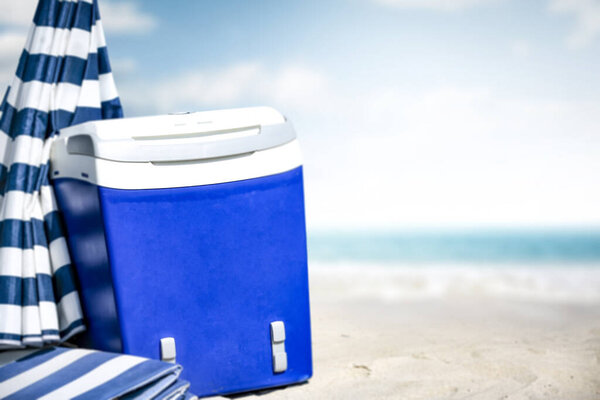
(60, 373)
(63, 78)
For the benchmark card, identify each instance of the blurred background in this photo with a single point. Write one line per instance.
(462, 132)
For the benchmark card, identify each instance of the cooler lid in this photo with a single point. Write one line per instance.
(179, 137)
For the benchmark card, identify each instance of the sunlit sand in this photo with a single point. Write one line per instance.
(449, 344)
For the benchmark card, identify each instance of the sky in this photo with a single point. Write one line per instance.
(411, 113)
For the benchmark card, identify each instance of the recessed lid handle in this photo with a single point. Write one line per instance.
(176, 148)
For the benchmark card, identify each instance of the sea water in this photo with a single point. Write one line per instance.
(489, 247)
(540, 265)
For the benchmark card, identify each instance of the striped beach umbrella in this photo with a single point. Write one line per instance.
(63, 78)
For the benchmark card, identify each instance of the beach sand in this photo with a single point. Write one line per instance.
(452, 345)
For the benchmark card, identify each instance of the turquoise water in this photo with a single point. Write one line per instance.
(490, 247)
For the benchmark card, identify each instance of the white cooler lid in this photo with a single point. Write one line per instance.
(179, 137)
(177, 150)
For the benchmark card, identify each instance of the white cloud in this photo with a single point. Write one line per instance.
(125, 17)
(438, 5)
(587, 20)
(585, 12)
(521, 48)
(298, 86)
(242, 83)
(455, 157)
(11, 45)
(15, 18)
(124, 66)
(17, 13)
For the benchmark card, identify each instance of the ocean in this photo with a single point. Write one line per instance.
(531, 265)
(469, 247)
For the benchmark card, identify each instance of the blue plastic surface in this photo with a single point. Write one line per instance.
(211, 266)
(80, 204)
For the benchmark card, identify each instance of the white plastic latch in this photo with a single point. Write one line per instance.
(167, 349)
(278, 346)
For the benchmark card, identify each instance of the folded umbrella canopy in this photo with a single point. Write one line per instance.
(59, 373)
(63, 78)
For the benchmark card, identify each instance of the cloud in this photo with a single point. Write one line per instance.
(453, 156)
(11, 45)
(15, 18)
(585, 12)
(243, 83)
(126, 17)
(437, 5)
(521, 48)
(124, 66)
(17, 13)
(587, 20)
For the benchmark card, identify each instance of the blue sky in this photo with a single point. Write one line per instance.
(412, 113)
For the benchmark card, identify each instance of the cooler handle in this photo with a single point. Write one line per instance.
(165, 149)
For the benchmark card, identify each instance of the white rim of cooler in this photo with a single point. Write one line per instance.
(179, 150)
(160, 175)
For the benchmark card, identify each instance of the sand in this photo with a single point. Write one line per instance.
(452, 345)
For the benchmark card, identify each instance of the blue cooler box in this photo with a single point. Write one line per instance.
(188, 237)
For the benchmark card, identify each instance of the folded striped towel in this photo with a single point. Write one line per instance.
(61, 373)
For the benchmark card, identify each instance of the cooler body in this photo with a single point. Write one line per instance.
(210, 265)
